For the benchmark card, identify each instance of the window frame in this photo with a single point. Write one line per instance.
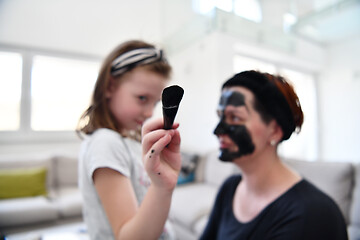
(25, 134)
(284, 66)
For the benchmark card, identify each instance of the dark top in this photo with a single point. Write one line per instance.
(303, 212)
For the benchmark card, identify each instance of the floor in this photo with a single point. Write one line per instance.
(73, 231)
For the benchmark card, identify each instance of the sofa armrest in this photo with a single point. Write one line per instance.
(334, 178)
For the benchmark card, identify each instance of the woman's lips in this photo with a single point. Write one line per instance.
(224, 144)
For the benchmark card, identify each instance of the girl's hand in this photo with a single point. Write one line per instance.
(161, 153)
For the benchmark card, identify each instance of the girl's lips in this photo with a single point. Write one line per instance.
(139, 122)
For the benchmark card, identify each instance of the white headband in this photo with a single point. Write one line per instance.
(134, 58)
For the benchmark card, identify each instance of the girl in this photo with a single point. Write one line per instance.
(268, 200)
(119, 201)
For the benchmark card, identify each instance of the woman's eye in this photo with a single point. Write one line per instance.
(235, 118)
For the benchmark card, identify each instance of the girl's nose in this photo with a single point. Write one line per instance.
(148, 112)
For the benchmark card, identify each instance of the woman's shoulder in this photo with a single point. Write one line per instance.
(230, 184)
(312, 200)
(231, 181)
(311, 194)
(318, 211)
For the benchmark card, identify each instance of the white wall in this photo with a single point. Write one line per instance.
(339, 98)
(94, 27)
(203, 67)
(80, 26)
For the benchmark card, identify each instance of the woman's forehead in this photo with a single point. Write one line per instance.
(235, 96)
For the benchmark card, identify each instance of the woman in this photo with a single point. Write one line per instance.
(268, 200)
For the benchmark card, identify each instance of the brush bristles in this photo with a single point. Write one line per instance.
(171, 96)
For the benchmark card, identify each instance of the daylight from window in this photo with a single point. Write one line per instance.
(10, 90)
(306, 142)
(60, 91)
(249, 9)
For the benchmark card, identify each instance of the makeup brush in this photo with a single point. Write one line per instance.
(171, 97)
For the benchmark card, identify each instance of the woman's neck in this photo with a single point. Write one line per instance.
(267, 174)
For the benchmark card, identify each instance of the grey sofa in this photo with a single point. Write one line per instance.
(193, 201)
(61, 205)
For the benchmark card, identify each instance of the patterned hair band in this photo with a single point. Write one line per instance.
(136, 57)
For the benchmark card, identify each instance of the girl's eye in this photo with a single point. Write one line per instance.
(142, 98)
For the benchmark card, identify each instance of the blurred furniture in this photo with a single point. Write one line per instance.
(192, 202)
(61, 204)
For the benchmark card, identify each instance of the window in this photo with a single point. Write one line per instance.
(305, 144)
(60, 91)
(10, 90)
(42, 93)
(242, 63)
(249, 9)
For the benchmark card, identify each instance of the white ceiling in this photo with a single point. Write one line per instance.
(327, 21)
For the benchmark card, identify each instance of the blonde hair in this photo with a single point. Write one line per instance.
(98, 114)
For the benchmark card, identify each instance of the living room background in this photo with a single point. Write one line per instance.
(202, 50)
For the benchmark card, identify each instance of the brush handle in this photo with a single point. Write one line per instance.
(169, 117)
(171, 98)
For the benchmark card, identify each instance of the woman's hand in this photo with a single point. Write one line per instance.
(161, 153)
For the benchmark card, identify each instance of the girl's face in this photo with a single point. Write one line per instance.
(133, 100)
(241, 131)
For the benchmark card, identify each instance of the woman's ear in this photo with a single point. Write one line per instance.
(276, 133)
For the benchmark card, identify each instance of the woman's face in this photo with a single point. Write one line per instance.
(241, 131)
(133, 100)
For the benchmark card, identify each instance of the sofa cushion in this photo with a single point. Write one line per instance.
(188, 166)
(68, 201)
(14, 162)
(354, 232)
(21, 182)
(21, 211)
(66, 171)
(334, 178)
(200, 225)
(355, 207)
(216, 171)
(190, 202)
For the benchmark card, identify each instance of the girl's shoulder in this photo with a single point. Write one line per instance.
(104, 137)
(105, 132)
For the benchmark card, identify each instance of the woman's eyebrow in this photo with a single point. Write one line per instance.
(236, 108)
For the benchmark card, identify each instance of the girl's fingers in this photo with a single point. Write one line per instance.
(174, 144)
(154, 124)
(156, 149)
(152, 137)
(157, 138)
(151, 125)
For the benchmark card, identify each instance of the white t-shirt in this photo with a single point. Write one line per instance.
(107, 148)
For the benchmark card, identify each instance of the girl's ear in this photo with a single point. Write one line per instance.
(111, 87)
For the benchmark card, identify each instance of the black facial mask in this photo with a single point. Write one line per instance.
(237, 133)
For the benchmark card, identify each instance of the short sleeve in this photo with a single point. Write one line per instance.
(106, 149)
